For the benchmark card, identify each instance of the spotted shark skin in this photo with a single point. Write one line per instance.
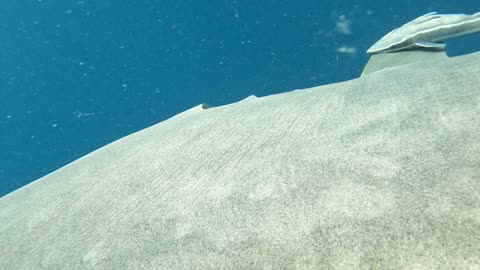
(428, 32)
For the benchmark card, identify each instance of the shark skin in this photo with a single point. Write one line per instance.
(427, 31)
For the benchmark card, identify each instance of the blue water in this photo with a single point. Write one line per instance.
(77, 75)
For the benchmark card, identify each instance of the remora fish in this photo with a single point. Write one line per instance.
(427, 31)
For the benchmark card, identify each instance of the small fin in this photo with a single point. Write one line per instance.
(425, 15)
(429, 44)
(425, 18)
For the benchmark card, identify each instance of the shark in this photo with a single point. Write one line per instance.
(428, 31)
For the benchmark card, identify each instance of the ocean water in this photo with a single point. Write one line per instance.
(77, 75)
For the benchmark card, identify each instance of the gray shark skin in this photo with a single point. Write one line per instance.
(379, 172)
(427, 31)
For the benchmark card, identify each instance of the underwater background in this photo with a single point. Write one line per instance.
(77, 75)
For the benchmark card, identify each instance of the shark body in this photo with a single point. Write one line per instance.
(427, 31)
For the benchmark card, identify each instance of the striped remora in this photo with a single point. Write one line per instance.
(427, 31)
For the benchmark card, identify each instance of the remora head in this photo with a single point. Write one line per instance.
(390, 42)
(401, 38)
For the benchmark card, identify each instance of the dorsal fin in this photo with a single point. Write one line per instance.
(424, 18)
